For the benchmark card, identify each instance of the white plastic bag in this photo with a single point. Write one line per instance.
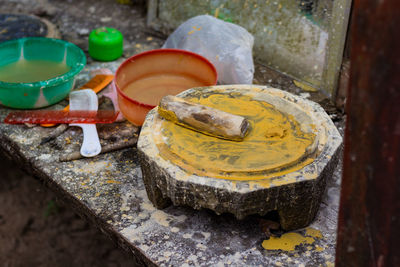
(227, 46)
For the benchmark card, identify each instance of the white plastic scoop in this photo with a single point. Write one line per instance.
(86, 99)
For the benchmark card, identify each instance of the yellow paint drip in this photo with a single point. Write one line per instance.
(286, 242)
(305, 87)
(313, 233)
(289, 241)
(276, 144)
(112, 182)
(194, 30)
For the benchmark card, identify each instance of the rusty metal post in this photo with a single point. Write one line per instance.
(369, 217)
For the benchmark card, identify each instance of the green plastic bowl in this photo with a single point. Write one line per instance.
(42, 93)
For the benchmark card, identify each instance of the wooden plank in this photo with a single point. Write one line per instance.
(369, 217)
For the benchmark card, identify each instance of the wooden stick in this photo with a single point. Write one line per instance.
(105, 149)
(203, 119)
(59, 130)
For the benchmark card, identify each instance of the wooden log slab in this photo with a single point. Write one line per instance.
(203, 119)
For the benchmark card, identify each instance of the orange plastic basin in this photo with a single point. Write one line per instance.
(142, 80)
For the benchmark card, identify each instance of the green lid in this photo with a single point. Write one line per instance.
(105, 44)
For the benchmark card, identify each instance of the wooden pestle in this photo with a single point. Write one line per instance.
(203, 119)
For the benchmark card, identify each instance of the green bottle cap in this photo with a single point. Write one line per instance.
(105, 44)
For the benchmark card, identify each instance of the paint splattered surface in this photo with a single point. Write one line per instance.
(109, 190)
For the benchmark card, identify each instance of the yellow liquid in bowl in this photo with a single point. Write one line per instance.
(29, 71)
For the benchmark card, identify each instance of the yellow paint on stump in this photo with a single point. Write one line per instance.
(276, 144)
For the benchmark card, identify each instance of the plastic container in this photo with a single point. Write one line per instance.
(30, 95)
(105, 44)
(142, 80)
